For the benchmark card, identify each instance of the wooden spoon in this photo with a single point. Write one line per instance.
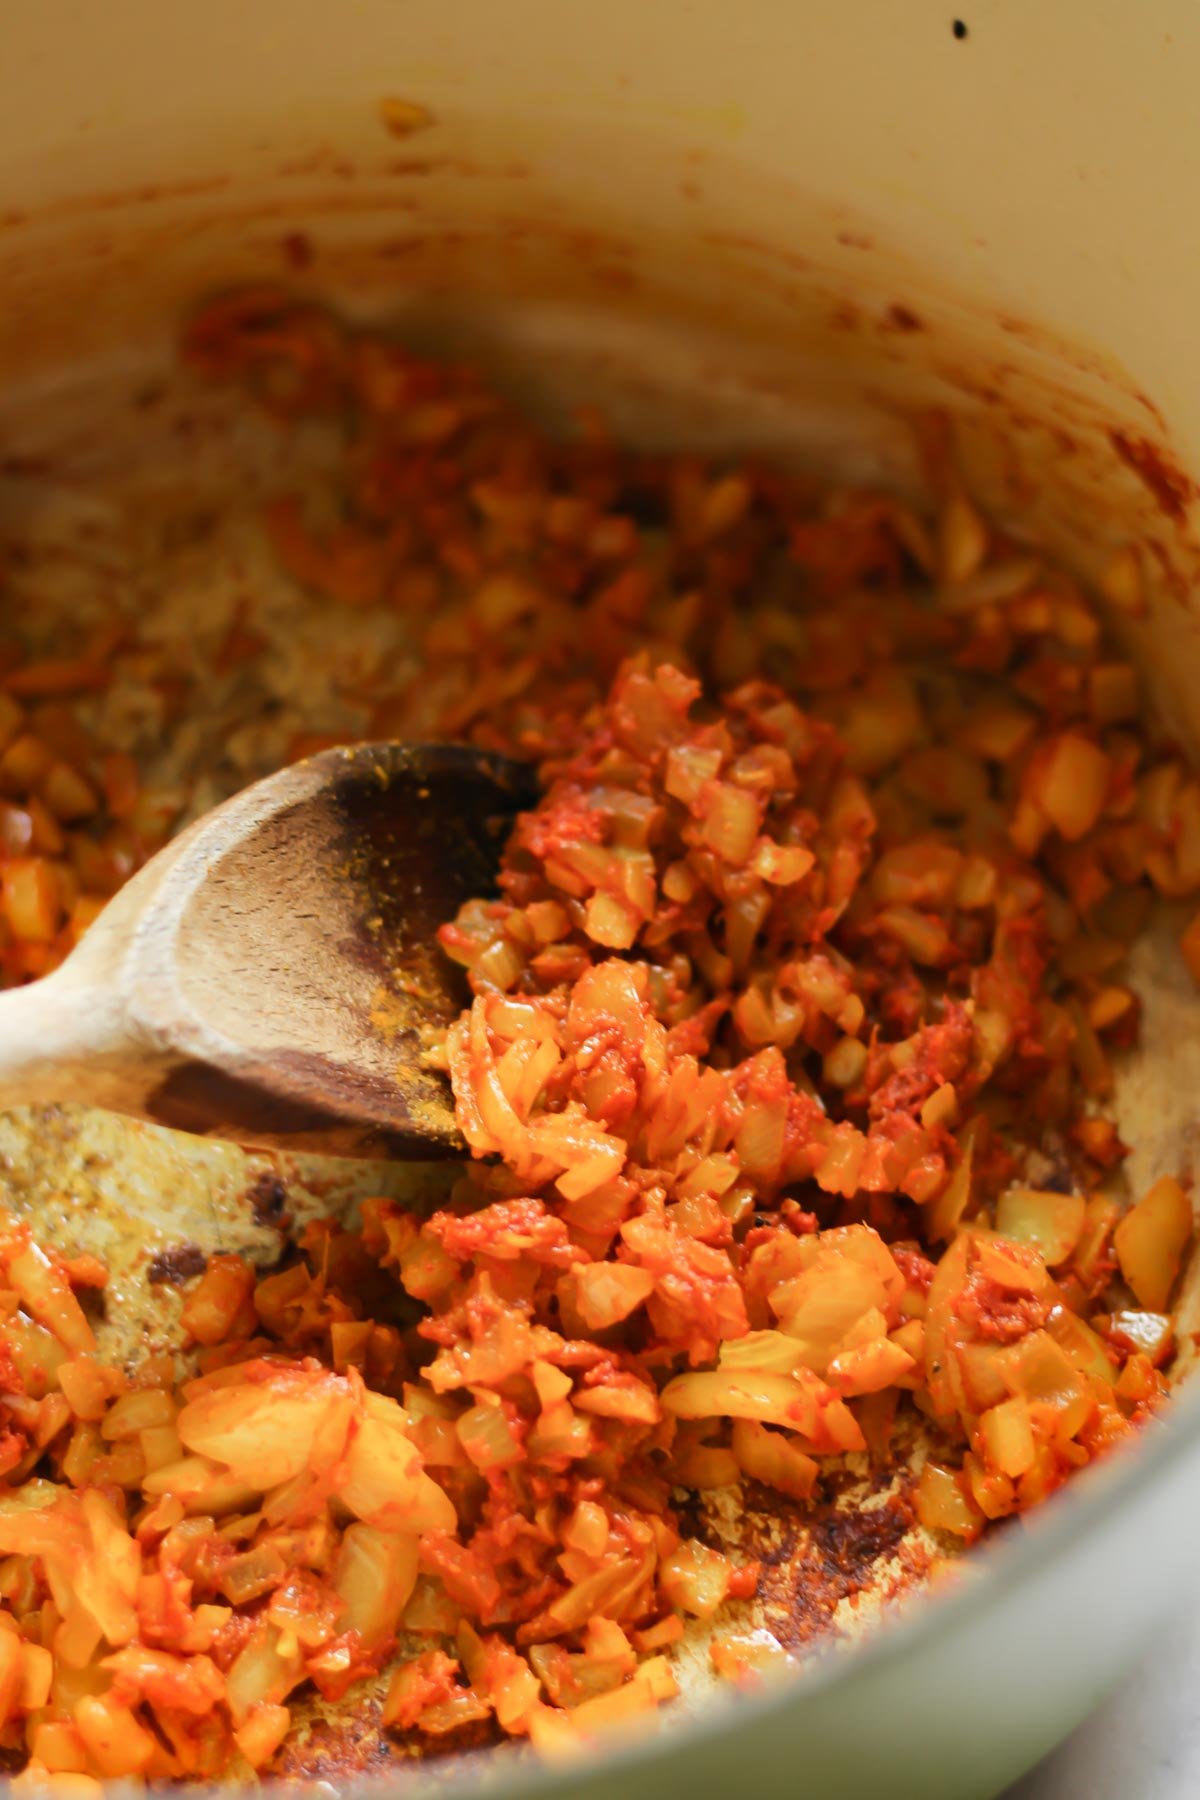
(269, 976)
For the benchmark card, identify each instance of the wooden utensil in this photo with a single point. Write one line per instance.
(271, 976)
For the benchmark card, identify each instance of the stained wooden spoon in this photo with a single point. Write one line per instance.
(269, 976)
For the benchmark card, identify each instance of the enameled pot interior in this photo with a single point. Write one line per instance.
(699, 295)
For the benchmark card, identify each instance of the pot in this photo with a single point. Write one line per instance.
(799, 230)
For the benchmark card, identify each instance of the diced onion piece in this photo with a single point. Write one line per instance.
(141, 1410)
(748, 1657)
(24, 762)
(255, 1572)
(201, 1486)
(881, 721)
(1150, 1241)
(1037, 1370)
(415, 1684)
(223, 1291)
(759, 1141)
(263, 1673)
(1006, 1437)
(1109, 1006)
(731, 822)
(695, 1579)
(941, 1108)
(1071, 784)
(611, 921)
(866, 1368)
(67, 794)
(844, 1064)
(1151, 1333)
(263, 1428)
(105, 1578)
(650, 1684)
(924, 872)
(600, 1592)
(773, 1459)
(160, 1446)
(606, 1293)
(587, 1529)
(726, 501)
(1049, 1222)
(184, 1683)
(998, 730)
(943, 1503)
(10, 1673)
(819, 1306)
(88, 1386)
(488, 1438)
(59, 1749)
(922, 934)
(977, 884)
(714, 1175)
(1084, 1347)
(944, 1212)
(47, 839)
(746, 1394)
(49, 1298)
(382, 1482)
(262, 1731)
(1087, 1052)
(689, 767)
(36, 1677)
(942, 1371)
(993, 1493)
(782, 864)
(115, 1742)
(375, 1574)
(498, 966)
(505, 1680)
(962, 541)
(775, 1352)
(16, 828)
(1011, 1265)
(31, 897)
(635, 1402)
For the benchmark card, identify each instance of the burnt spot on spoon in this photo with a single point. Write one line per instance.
(337, 983)
(411, 866)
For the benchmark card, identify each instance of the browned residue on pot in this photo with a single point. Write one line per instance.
(175, 1264)
(835, 1555)
(268, 1197)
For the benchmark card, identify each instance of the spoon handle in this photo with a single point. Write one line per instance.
(61, 1039)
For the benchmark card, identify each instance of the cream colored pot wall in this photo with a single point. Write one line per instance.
(791, 186)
